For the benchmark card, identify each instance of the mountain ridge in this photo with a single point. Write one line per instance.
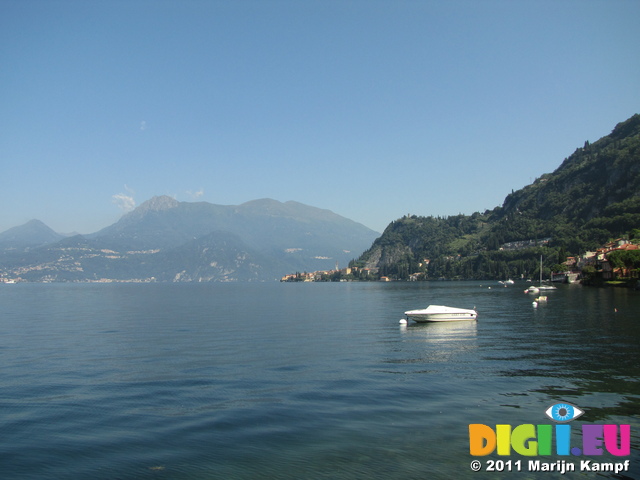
(592, 196)
(258, 240)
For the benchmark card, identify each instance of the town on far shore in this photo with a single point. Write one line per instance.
(590, 268)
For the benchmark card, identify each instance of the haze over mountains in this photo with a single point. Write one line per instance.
(167, 240)
(32, 234)
(592, 196)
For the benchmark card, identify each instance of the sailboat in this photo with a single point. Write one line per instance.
(544, 287)
(534, 289)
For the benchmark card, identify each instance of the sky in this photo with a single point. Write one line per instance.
(372, 109)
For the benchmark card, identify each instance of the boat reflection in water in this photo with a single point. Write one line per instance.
(445, 343)
(442, 331)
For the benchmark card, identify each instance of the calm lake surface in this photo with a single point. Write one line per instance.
(300, 381)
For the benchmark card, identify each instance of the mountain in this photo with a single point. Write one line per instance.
(218, 256)
(594, 195)
(163, 222)
(596, 191)
(32, 234)
(167, 240)
(285, 230)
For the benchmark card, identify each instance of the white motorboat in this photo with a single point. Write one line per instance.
(440, 313)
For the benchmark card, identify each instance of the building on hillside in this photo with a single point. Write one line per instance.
(599, 261)
(609, 272)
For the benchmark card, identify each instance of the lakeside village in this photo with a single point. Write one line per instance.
(600, 267)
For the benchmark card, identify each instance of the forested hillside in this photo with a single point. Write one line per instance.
(593, 196)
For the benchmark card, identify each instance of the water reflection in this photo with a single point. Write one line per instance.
(441, 331)
(443, 344)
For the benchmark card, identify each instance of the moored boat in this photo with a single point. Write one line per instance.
(441, 313)
(534, 289)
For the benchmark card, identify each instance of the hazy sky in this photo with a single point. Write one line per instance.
(372, 109)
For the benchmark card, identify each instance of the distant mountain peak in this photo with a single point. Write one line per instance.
(34, 232)
(158, 203)
(35, 223)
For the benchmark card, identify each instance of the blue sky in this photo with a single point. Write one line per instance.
(371, 109)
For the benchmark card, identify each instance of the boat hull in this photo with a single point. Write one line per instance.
(436, 313)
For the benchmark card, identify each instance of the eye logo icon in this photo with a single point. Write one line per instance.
(563, 412)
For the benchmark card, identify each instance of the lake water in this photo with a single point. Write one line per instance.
(300, 381)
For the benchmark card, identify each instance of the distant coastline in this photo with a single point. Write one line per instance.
(616, 263)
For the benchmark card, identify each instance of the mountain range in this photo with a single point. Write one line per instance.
(593, 196)
(167, 240)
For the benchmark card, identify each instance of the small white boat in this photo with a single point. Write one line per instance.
(440, 313)
(539, 300)
(532, 289)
